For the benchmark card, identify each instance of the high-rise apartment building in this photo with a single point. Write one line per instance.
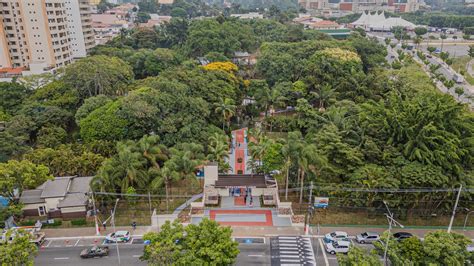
(80, 26)
(44, 33)
(34, 32)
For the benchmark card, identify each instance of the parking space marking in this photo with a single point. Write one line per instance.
(63, 258)
(323, 250)
(76, 242)
(49, 243)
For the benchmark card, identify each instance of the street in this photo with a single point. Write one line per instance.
(253, 251)
(444, 69)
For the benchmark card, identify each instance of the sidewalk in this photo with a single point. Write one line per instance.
(252, 231)
(90, 231)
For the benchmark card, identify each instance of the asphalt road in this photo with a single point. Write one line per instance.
(129, 255)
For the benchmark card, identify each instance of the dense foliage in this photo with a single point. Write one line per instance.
(147, 109)
(205, 244)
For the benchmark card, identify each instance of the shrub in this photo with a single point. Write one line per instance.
(27, 223)
(55, 224)
(79, 222)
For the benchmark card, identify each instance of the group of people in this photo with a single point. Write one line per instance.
(237, 192)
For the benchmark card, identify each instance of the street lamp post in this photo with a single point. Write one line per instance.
(465, 220)
(115, 232)
(390, 220)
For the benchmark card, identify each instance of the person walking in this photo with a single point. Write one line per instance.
(134, 225)
(104, 224)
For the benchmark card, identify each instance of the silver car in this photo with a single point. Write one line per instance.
(367, 237)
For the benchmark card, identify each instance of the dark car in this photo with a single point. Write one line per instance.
(94, 251)
(402, 235)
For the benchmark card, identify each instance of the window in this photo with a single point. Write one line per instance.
(41, 211)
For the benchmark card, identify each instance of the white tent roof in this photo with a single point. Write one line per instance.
(378, 21)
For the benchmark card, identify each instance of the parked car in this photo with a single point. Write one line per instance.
(94, 251)
(429, 56)
(119, 236)
(335, 236)
(367, 237)
(458, 78)
(340, 246)
(402, 235)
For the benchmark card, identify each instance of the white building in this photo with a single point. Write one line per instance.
(80, 26)
(378, 22)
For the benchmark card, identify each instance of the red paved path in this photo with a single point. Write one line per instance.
(268, 217)
(239, 152)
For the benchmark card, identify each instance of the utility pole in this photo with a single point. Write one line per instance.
(390, 220)
(97, 231)
(306, 222)
(149, 202)
(115, 231)
(454, 209)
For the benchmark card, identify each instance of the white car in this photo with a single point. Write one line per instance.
(335, 236)
(367, 237)
(119, 236)
(338, 247)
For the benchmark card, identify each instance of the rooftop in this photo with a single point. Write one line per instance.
(258, 181)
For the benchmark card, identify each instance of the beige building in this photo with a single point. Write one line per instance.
(35, 32)
(80, 26)
(44, 34)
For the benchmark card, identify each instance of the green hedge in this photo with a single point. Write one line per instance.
(27, 223)
(79, 222)
(55, 224)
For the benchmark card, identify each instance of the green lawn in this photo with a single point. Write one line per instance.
(459, 65)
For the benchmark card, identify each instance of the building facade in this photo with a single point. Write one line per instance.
(34, 32)
(80, 26)
(41, 35)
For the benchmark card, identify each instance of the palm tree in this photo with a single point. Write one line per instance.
(218, 151)
(310, 160)
(291, 147)
(226, 109)
(325, 94)
(132, 165)
(164, 177)
(258, 149)
(152, 150)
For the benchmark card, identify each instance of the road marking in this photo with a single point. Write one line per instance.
(49, 243)
(255, 255)
(57, 246)
(323, 250)
(76, 242)
(63, 258)
(136, 256)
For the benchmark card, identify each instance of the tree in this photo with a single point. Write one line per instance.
(89, 105)
(67, 160)
(98, 74)
(357, 256)
(12, 95)
(166, 246)
(291, 146)
(21, 175)
(459, 91)
(226, 109)
(445, 248)
(443, 37)
(143, 17)
(471, 51)
(51, 137)
(209, 243)
(411, 249)
(420, 31)
(205, 244)
(127, 168)
(20, 251)
(431, 49)
(218, 151)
